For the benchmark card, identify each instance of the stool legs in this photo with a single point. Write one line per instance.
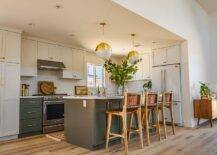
(164, 123)
(172, 121)
(146, 119)
(139, 118)
(125, 134)
(108, 129)
(157, 123)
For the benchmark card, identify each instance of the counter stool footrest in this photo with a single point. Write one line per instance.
(114, 135)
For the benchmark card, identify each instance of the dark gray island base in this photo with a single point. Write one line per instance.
(85, 120)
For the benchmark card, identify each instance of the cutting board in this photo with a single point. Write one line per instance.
(46, 87)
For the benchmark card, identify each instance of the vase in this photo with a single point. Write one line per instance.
(121, 90)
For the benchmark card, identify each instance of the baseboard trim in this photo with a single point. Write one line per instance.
(6, 138)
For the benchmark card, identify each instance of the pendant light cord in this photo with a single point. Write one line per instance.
(133, 35)
(103, 31)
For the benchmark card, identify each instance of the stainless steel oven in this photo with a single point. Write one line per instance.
(53, 115)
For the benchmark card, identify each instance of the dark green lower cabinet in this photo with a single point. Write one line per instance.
(30, 116)
(85, 126)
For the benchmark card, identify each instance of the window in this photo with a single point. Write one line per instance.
(95, 75)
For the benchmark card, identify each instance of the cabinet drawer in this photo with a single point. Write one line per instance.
(25, 103)
(27, 112)
(30, 125)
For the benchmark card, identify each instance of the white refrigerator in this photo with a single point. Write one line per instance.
(168, 78)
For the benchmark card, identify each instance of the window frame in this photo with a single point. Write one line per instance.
(94, 75)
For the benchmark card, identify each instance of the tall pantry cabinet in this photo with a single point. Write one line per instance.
(10, 47)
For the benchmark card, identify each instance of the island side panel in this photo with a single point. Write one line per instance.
(79, 121)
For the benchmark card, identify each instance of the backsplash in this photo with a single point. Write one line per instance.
(62, 85)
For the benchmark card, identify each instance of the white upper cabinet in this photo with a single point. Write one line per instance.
(55, 53)
(10, 46)
(78, 62)
(66, 54)
(159, 56)
(74, 62)
(49, 52)
(43, 51)
(28, 57)
(143, 68)
(146, 66)
(164, 56)
(173, 54)
(1, 45)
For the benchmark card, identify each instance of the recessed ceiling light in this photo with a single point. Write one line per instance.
(71, 35)
(58, 6)
(138, 45)
(31, 24)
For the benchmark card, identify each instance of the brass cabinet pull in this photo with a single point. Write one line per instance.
(30, 112)
(30, 125)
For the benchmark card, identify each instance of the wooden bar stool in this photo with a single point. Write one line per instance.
(131, 105)
(151, 104)
(167, 99)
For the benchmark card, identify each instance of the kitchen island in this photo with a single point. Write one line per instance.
(85, 119)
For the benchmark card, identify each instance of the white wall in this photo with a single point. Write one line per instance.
(187, 19)
(213, 49)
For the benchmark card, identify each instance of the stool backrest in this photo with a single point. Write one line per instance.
(167, 97)
(132, 100)
(151, 98)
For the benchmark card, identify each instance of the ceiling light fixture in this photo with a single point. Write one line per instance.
(103, 49)
(58, 6)
(133, 55)
(31, 24)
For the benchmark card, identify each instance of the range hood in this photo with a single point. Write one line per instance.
(50, 65)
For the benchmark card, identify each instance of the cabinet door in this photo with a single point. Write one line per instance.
(1, 46)
(1, 94)
(43, 51)
(146, 58)
(12, 43)
(159, 57)
(66, 54)
(10, 99)
(139, 73)
(173, 54)
(54, 53)
(28, 58)
(78, 62)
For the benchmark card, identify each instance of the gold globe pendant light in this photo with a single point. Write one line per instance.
(103, 49)
(133, 55)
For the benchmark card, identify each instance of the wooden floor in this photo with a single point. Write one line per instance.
(186, 142)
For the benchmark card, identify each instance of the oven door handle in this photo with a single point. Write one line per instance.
(53, 102)
(44, 113)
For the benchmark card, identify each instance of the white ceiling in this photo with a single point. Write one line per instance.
(208, 5)
(81, 18)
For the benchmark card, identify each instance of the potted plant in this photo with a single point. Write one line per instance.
(205, 92)
(122, 73)
(147, 86)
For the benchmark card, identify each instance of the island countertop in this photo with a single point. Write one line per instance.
(86, 97)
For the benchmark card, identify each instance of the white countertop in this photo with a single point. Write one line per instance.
(93, 97)
(31, 96)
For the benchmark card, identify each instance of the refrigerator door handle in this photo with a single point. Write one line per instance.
(162, 83)
(165, 84)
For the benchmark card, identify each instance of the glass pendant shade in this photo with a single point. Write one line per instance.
(103, 50)
(133, 55)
